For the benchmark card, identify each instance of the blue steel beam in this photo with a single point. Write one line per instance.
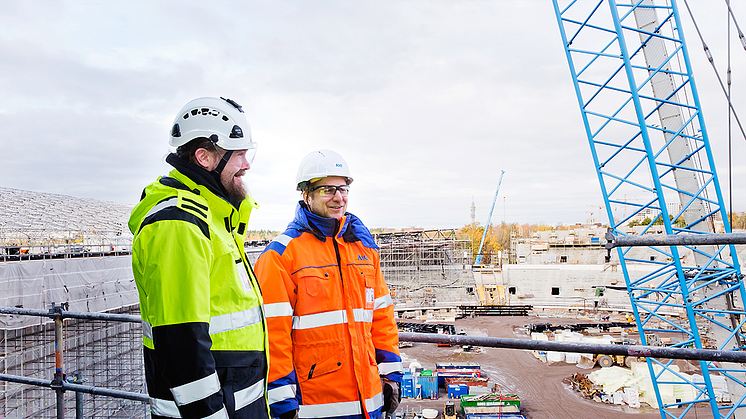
(639, 154)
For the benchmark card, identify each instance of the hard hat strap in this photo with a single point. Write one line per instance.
(224, 161)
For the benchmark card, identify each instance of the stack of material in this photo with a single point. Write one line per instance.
(491, 405)
(470, 381)
(636, 381)
(582, 384)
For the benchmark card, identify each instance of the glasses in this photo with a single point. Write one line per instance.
(331, 190)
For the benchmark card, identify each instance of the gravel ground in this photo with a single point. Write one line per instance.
(540, 386)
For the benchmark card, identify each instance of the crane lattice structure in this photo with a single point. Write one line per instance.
(633, 79)
(478, 259)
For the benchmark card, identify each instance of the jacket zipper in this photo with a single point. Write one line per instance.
(336, 251)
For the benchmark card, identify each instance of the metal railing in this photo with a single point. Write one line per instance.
(61, 251)
(63, 382)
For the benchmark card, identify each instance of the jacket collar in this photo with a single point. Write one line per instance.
(200, 176)
(350, 228)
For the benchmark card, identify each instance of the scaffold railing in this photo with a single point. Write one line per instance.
(102, 348)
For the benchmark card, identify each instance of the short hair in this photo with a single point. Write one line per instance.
(186, 151)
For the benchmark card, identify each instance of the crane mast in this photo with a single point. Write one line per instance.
(478, 259)
(643, 121)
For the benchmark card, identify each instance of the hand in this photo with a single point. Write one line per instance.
(391, 396)
(290, 414)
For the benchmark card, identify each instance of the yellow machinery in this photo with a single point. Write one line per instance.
(449, 411)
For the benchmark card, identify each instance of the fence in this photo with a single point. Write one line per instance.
(107, 352)
(87, 363)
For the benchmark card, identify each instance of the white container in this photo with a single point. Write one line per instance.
(429, 413)
(572, 357)
(553, 357)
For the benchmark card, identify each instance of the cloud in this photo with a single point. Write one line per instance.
(428, 102)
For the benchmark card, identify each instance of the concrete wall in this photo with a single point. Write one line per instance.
(568, 285)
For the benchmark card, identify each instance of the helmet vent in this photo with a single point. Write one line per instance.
(236, 132)
(176, 131)
(225, 118)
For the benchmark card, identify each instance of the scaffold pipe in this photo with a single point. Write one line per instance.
(613, 241)
(77, 387)
(62, 314)
(580, 347)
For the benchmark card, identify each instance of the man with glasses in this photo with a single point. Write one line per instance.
(203, 326)
(332, 336)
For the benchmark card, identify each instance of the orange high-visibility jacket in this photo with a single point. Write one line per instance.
(330, 319)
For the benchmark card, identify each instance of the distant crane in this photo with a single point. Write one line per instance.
(592, 220)
(478, 260)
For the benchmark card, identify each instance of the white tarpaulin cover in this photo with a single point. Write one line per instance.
(93, 284)
(677, 385)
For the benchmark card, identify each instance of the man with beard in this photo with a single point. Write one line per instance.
(203, 324)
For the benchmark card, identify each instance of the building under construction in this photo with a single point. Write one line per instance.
(103, 354)
(427, 267)
(82, 264)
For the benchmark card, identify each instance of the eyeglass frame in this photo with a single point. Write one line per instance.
(343, 190)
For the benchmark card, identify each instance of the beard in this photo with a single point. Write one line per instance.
(236, 192)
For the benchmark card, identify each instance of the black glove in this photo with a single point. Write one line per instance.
(391, 396)
(290, 414)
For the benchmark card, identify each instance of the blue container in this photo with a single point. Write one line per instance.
(457, 390)
(428, 387)
(407, 386)
(456, 369)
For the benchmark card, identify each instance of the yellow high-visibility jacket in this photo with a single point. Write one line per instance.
(203, 323)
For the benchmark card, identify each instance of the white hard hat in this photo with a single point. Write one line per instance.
(219, 119)
(320, 164)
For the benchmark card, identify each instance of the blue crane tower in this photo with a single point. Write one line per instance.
(643, 121)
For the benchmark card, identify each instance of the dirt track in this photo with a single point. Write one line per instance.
(540, 387)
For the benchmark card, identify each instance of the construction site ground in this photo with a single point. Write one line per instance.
(542, 387)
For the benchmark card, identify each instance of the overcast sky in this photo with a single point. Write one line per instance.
(427, 101)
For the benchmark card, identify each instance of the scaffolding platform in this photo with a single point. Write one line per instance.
(495, 310)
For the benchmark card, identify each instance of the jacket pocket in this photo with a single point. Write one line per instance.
(317, 291)
(316, 360)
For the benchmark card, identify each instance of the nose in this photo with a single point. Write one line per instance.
(338, 196)
(243, 164)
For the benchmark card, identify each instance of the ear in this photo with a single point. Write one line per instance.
(204, 158)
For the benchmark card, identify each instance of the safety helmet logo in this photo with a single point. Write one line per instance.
(320, 164)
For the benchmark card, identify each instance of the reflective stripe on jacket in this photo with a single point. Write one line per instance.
(330, 318)
(206, 353)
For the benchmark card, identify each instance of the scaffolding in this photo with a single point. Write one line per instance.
(426, 267)
(100, 354)
(36, 225)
